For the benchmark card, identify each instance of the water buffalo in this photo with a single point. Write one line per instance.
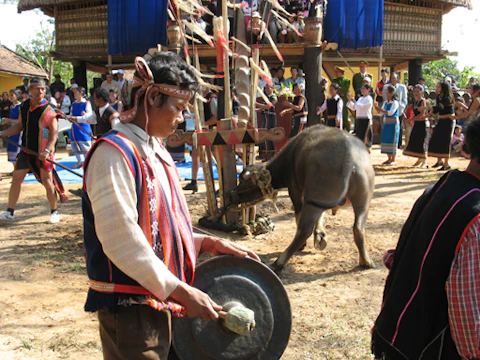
(322, 168)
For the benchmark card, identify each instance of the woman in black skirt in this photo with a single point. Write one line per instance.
(442, 134)
(300, 111)
(363, 114)
(418, 144)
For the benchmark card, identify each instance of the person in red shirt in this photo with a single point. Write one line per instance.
(384, 81)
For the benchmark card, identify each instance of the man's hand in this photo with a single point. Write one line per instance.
(217, 247)
(196, 302)
(43, 155)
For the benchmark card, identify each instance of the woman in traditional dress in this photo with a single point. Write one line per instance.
(300, 111)
(114, 102)
(363, 110)
(443, 131)
(334, 107)
(81, 133)
(391, 125)
(15, 100)
(418, 144)
(267, 148)
(473, 110)
(5, 105)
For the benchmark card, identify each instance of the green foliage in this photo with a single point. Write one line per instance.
(437, 70)
(38, 49)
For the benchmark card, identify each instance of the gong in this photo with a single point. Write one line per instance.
(232, 282)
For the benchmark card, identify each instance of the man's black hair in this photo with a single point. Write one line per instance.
(421, 79)
(37, 81)
(335, 86)
(367, 86)
(169, 68)
(81, 90)
(57, 76)
(472, 138)
(101, 94)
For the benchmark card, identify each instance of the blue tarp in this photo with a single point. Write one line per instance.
(354, 24)
(136, 25)
(184, 171)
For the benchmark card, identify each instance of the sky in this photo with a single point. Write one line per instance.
(459, 33)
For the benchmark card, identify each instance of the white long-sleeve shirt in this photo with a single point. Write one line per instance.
(363, 107)
(402, 98)
(66, 103)
(393, 109)
(91, 118)
(112, 191)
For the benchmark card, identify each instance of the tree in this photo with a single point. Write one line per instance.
(437, 70)
(38, 51)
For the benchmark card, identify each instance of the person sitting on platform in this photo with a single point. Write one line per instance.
(279, 81)
(296, 78)
(285, 33)
(334, 107)
(299, 25)
(256, 29)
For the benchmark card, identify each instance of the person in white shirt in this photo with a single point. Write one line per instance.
(140, 248)
(126, 89)
(391, 124)
(402, 97)
(66, 103)
(109, 83)
(363, 110)
(334, 107)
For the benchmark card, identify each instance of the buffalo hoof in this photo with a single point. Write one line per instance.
(320, 241)
(277, 269)
(367, 264)
(303, 247)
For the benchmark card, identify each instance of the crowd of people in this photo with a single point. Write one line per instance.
(140, 247)
(89, 119)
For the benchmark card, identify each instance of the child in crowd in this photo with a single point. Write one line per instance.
(458, 140)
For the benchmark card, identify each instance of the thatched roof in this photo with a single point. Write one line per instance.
(13, 63)
(47, 6)
(464, 3)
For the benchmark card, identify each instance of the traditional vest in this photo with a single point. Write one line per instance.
(207, 110)
(388, 106)
(332, 105)
(35, 123)
(80, 135)
(167, 229)
(103, 122)
(413, 323)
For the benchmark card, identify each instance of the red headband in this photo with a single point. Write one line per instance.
(147, 84)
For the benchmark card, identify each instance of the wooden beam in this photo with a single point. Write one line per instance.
(401, 66)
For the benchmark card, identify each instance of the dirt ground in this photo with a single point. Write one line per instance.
(43, 279)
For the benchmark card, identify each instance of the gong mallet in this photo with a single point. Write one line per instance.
(28, 151)
(238, 319)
